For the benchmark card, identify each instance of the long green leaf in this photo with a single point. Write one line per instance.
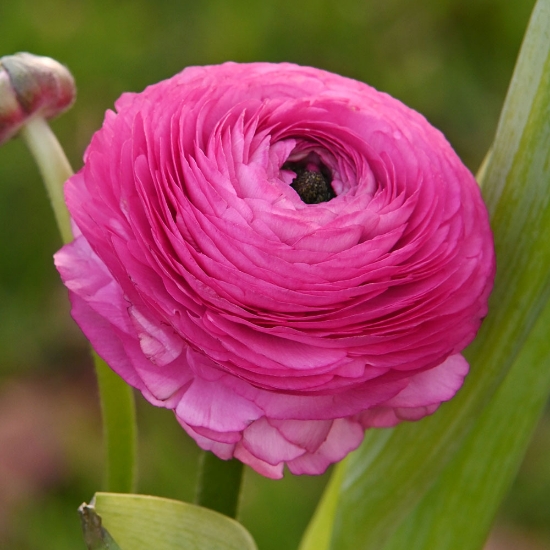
(139, 522)
(457, 513)
(388, 475)
(319, 531)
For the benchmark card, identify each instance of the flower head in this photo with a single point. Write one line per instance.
(281, 255)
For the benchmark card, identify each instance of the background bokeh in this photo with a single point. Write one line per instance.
(449, 59)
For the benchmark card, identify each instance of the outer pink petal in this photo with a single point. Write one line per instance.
(223, 450)
(215, 406)
(307, 434)
(266, 443)
(101, 310)
(345, 435)
(262, 467)
(434, 385)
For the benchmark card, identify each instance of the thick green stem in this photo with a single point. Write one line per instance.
(117, 398)
(119, 429)
(219, 484)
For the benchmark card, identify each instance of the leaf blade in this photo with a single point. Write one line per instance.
(140, 522)
(479, 475)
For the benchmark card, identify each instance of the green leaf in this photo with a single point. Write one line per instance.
(477, 478)
(139, 522)
(386, 478)
(319, 532)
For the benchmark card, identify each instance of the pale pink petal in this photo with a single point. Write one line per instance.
(262, 467)
(433, 386)
(222, 450)
(216, 407)
(379, 417)
(307, 434)
(344, 436)
(266, 443)
(160, 344)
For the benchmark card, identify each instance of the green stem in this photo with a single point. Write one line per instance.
(117, 398)
(54, 169)
(219, 484)
(119, 428)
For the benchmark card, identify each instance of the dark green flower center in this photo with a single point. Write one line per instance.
(313, 185)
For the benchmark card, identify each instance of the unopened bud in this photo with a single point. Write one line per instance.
(32, 85)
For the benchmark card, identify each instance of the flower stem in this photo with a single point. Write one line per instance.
(119, 428)
(54, 168)
(219, 484)
(117, 398)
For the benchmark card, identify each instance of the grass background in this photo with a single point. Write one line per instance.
(449, 59)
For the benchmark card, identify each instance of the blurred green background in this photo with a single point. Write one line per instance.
(449, 59)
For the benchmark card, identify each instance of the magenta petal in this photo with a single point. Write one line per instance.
(223, 450)
(214, 406)
(379, 417)
(110, 349)
(273, 471)
(266, 443)
(307, 434)
(344, 436)
(433, 386)
(415, 413)
(220, 437)
(160, 344)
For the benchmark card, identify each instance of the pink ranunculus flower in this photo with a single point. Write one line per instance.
(282, 256)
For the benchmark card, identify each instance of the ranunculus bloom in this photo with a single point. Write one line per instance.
(277, 330)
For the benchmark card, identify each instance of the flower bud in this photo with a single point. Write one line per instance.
(32, 85)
